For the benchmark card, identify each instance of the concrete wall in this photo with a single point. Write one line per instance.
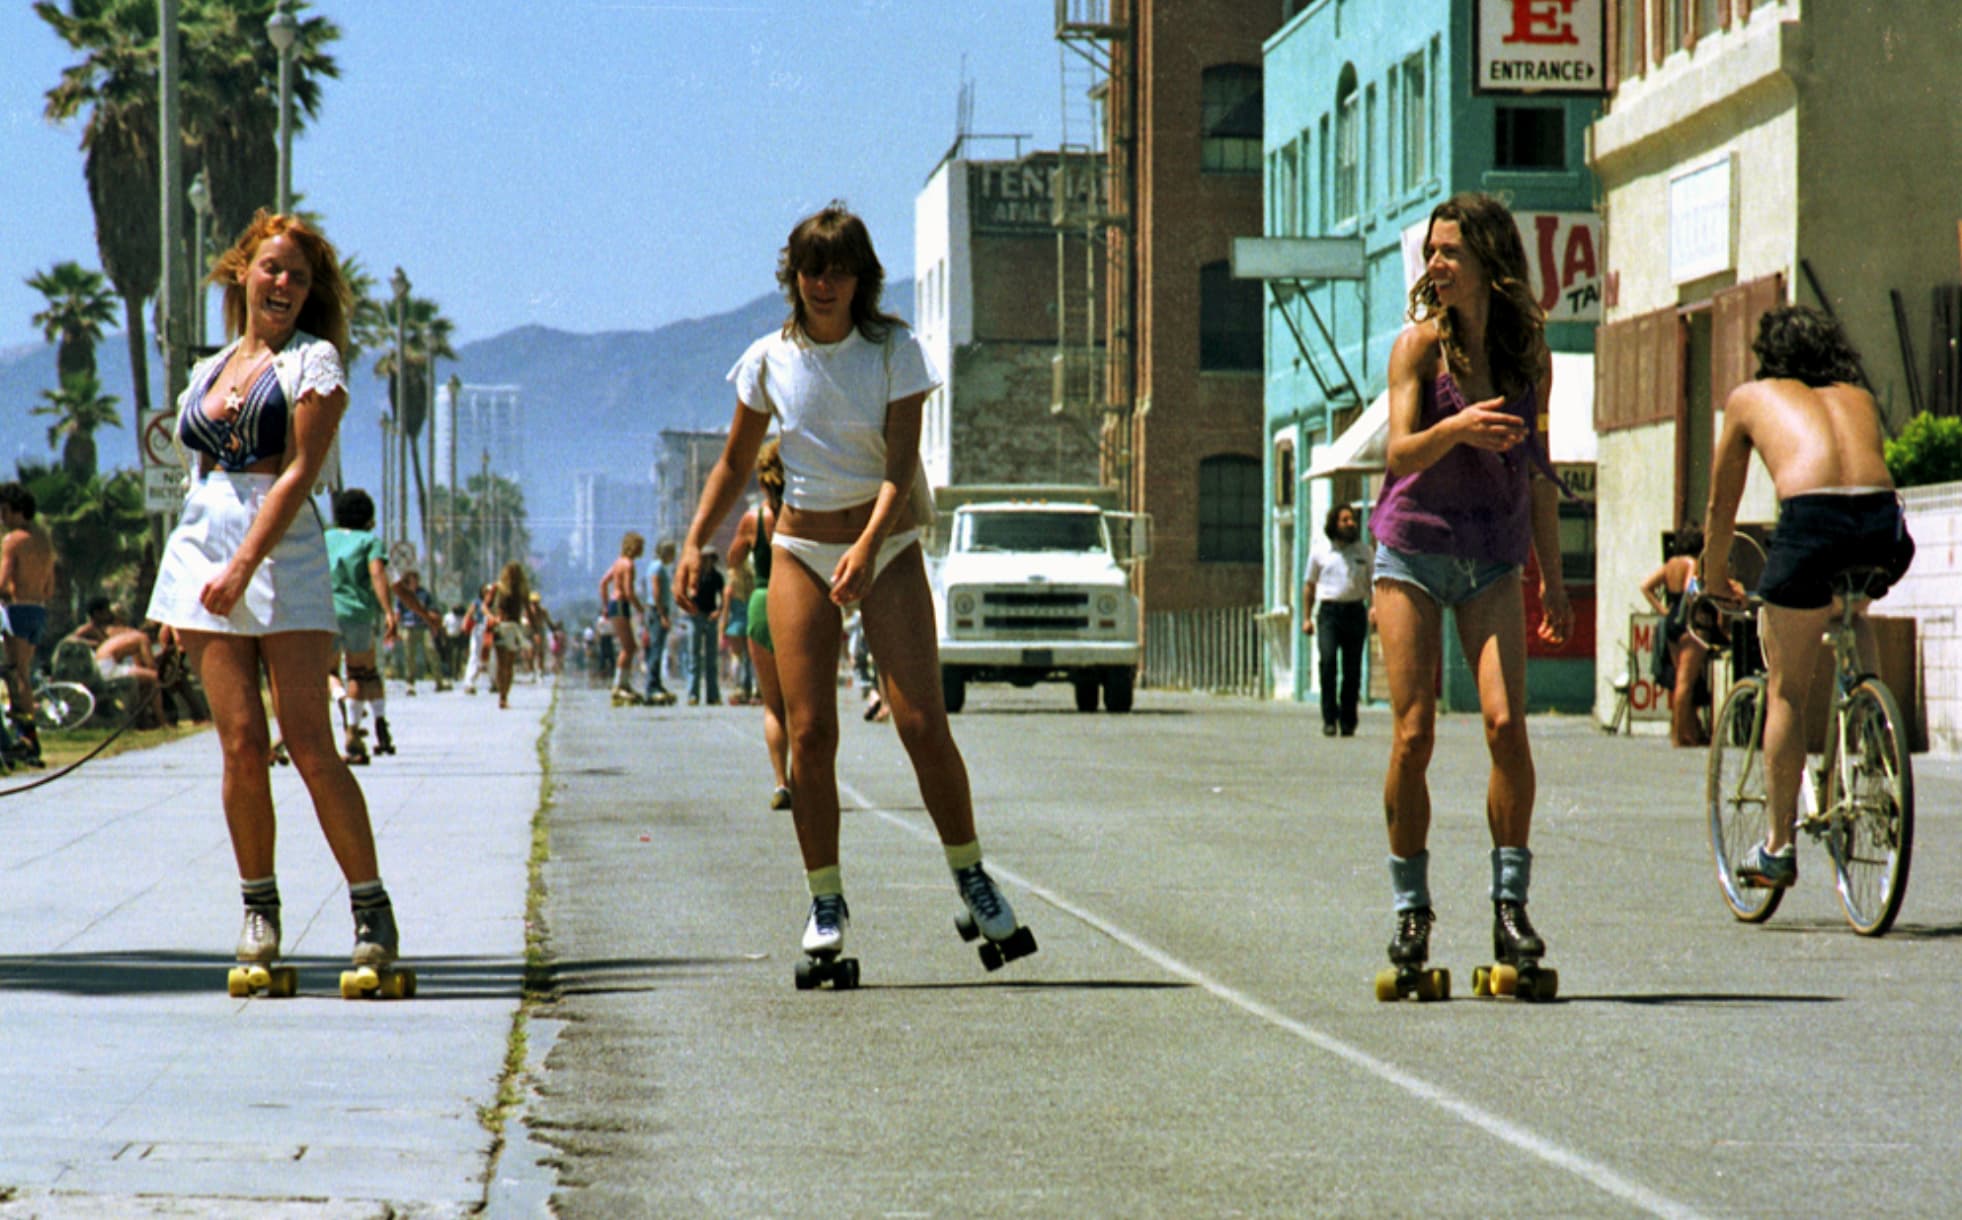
(1002, 429)
(1931, 595)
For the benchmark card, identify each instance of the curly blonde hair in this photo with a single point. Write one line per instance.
(1515, 330)
(329, 301)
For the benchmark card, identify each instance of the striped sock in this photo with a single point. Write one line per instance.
(368, 895)
(261, 892)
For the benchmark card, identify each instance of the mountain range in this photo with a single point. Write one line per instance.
(591, 402)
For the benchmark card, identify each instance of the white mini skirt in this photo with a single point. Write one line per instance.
(290, 591)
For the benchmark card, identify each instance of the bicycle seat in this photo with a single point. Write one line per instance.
(1862, 580)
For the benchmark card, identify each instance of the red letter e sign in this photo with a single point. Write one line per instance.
(1543, 23)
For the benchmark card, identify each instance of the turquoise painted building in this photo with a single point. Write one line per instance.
(1371, 119)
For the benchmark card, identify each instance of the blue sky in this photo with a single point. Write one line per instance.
(588, 165)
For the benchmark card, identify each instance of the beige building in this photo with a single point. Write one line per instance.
(1754, 153)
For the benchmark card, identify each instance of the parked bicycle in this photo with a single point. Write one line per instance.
(57, 705)
(1858, 802)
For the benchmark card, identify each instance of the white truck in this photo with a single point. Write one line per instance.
(1032, 584)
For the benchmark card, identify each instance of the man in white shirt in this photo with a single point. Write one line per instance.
(1335, 607)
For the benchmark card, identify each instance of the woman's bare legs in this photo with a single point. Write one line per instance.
(1492, 631)
(776, 738)
(899, 625)
(1410, 624)
(1685, 727)
(805, 627)
(297, 663)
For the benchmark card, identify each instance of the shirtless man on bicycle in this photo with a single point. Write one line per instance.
(1819, 434)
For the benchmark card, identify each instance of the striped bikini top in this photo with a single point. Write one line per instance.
(256, 433)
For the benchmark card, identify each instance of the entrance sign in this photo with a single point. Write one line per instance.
(1540, 46)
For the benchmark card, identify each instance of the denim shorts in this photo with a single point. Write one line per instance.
(1449, 580)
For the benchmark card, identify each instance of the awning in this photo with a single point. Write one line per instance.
(1363, 447)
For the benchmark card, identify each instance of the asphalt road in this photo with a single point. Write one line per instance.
(1198, 1035)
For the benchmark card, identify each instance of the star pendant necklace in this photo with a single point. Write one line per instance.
(235, 396)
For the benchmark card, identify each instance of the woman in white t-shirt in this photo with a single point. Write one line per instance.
(846, 382)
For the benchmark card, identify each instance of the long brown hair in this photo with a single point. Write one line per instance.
(328, 302)
(836, 240)
(1515, 327)
(769, 470)
(513, 592)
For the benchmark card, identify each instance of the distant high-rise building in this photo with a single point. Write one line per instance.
(479, 420)
(603, 510)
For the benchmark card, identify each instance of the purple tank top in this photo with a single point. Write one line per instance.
(1470, 503)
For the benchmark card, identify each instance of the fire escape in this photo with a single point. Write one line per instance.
(1091, 375)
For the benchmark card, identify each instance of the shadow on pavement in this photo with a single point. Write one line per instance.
(1035, 985)
(1672, 998)
(623, 974)
(1064, 710)
(165, 972)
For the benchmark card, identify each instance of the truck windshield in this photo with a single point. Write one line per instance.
(1032, 532)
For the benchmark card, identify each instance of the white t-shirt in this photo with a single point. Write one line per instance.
(830, 399)
(1341, 573)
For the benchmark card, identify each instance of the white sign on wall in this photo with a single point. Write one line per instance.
(1702, 221)
(1541, 46)
(1563, 261)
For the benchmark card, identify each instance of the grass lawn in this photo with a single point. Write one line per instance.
(60, 749)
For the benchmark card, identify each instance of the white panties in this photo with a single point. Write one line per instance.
(821, 558)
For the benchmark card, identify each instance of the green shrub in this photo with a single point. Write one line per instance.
(1929, 450)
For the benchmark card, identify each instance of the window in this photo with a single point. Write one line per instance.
(1414, 139)
(1290, 217)
(1529, 138)
(1369, 172)
(1230, 122)
(1348, 154)
(1629, 29)
(1229, 320)
(1229, 510)
(1305, 200)
(1668, 26)
(1327, 182)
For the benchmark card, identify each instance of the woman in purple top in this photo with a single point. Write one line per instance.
(1468, 493)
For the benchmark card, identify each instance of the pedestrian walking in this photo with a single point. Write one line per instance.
(508, 627)
(1468, 494)
(1819, 434)
(357, 564)
(704, 609)
(1335, 610)
(243, 579)
(753, 544)
(846, 382)
(1679, 657)
(416, 619)
(473, 630)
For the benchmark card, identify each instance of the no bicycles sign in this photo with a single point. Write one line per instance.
(158, 446)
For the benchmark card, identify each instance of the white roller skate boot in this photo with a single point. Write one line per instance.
(258, 950)
(824, 941)
(989, 916)
(376, 944)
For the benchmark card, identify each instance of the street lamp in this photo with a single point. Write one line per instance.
(281, 29)
(400, 283)
(201, 208)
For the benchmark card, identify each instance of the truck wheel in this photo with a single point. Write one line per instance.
(1086, 694)
(953, 688)
(1117, 689)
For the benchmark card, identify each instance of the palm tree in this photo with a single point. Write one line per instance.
(80, 305)
(428, 334)
(370, 324)
(79, 407)
(116, 82)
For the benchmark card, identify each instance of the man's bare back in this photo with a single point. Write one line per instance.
(27, 560)
(1811, 438)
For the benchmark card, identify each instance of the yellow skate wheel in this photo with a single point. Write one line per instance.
(237, 985)
(1386, 985)
(358, 983)
(284, 982)
(1440, 983)
(1482, 981)
(1505, 979)
(398, 984)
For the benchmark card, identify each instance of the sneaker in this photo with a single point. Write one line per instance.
(1763, 868)
(780, 799)
(992, 914)
(824, 932)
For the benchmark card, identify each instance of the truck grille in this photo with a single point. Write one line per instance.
(1035, 610)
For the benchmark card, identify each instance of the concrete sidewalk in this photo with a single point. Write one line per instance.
(131, 1084)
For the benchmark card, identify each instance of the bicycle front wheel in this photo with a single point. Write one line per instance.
(1870, 799)
(1735, 793)
(63, 705)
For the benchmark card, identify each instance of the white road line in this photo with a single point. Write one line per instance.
(1590, 1171)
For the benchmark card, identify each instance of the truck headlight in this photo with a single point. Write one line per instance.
(1107, 603)
(964, 603)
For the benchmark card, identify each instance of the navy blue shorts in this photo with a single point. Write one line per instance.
(1821, 535)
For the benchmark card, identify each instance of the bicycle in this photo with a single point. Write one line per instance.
(58, 706)
(1858, 802)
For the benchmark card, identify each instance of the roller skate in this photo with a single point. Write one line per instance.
(661, 698)
(374, 975)
(623, 697)
(357, 748)
(25, 749)
(258, 949)
(384, 744)
(824, 940)
(1409, 949)
(1518, 949)
(989, 915)
(280, 756)
(780, 797)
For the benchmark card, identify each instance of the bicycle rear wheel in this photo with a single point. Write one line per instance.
(63, 705)
(1734, 790)
(1870, 798)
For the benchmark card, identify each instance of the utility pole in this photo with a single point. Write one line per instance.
(170, 150)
